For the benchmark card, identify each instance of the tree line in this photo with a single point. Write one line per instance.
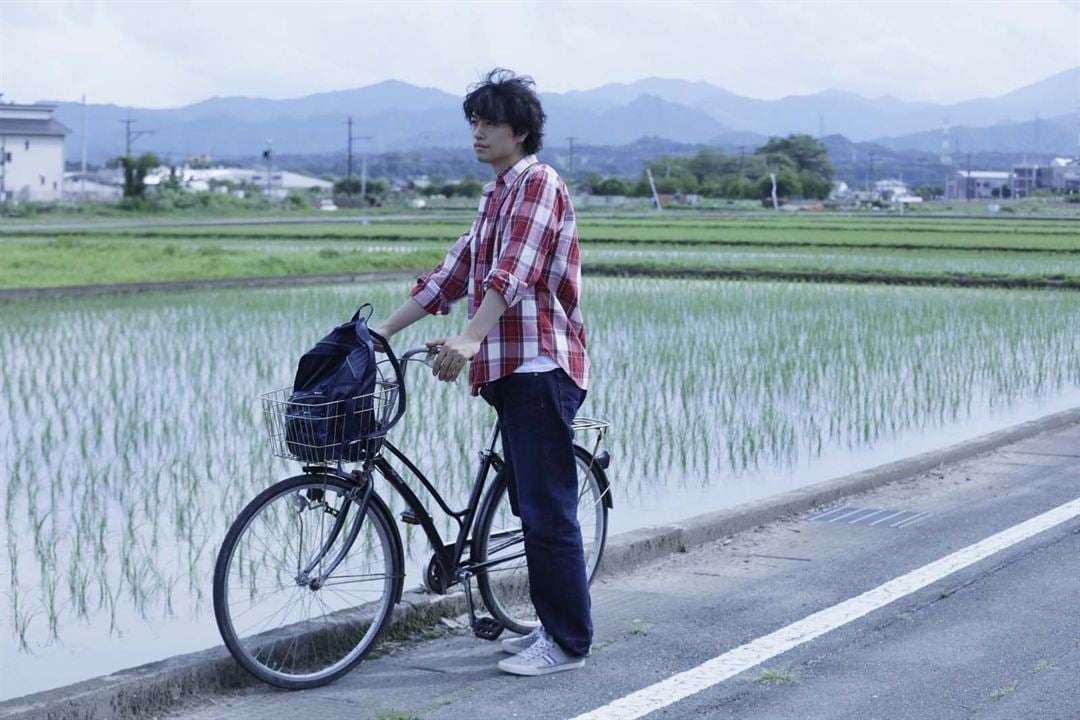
(800, 163)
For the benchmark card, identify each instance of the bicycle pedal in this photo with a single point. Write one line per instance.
(409, 517)
(488, 628)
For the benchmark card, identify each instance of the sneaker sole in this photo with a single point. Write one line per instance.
(534, 671)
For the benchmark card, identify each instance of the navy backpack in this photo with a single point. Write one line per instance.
(331, 406)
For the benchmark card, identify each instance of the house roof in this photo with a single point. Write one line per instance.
(984, 174)
(10, 126)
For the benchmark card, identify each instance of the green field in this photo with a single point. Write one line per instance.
(825, 247)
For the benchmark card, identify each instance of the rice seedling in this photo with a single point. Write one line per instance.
(718, 392)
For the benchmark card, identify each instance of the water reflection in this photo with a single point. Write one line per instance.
(131, 435)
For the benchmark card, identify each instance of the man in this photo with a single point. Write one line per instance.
(519, 266)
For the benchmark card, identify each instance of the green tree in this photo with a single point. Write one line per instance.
(347, 186)
(787, 184)
(814, 185)
(804, 152)
(135, 170)
(612, 186)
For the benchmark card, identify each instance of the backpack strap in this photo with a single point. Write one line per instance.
(370, 311)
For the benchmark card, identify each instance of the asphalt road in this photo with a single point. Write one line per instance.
(999, 638)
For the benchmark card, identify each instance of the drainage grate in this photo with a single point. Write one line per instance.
(879, 517)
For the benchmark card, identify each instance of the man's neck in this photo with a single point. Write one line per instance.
(498, 167)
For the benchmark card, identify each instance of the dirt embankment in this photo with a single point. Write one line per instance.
(604, 269)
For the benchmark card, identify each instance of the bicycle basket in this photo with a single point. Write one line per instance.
(311, 429)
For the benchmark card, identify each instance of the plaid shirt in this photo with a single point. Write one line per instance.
(523, 244)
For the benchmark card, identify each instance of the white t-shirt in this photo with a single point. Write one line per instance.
(538, 364)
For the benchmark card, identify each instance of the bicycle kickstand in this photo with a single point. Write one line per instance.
(486, 628)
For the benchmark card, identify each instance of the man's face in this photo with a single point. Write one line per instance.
(495, 143)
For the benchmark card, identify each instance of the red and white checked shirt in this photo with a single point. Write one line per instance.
(524, 245)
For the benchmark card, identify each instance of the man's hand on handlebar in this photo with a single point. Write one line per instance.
(454, 353)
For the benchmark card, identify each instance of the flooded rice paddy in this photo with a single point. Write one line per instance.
(130, 434)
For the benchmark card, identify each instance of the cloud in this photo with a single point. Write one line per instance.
(162, 54)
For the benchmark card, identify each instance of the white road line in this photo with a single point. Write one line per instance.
(844, 515)
(867, 517)
(733, 662)
(883, 519)
(908, 520)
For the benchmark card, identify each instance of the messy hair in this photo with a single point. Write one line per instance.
(503, 96)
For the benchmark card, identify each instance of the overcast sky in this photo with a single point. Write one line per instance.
(160, 53)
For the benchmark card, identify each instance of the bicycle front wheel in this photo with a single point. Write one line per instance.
(504, 584)
(284, 614)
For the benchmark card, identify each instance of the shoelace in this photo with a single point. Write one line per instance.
(542, 646)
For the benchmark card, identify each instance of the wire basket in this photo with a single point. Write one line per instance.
(348, 430)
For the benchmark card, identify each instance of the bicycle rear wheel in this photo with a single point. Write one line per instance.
(283, 615)
(504, 585)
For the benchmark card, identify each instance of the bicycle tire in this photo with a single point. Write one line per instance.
(505, 587)
(327, 630)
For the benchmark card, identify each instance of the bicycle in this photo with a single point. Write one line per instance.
(338, 586)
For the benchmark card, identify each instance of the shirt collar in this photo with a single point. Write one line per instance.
(510, 174)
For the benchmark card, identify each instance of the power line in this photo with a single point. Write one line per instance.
(363, 158)
(129, 136)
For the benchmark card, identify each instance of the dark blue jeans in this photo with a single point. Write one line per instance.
(535, 412)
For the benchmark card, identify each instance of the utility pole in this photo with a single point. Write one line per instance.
(570, 173)
(363, 159)
(652, 184)
(82, 182)
(968, 185)
(1037, 143)
(268, 156)
(130, 136)
(348, 172)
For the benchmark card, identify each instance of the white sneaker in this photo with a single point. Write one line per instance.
(544, 656)
(516, 645)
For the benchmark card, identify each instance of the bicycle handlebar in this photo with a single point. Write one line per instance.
(400, 365)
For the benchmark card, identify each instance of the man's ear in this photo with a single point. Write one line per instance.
(520, 139)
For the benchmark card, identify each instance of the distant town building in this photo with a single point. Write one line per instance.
(894, 191)
(977, 184)
(1028, 177)
(31, 153)
(1065, 175)
(197, 179)
(101, 186)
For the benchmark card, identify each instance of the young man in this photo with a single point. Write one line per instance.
(525, 344)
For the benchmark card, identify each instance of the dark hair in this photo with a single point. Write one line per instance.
(503, 96)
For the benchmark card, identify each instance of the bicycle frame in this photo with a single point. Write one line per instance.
(448, 557)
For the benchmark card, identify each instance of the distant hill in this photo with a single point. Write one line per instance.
(1046, 135)
(403, 117)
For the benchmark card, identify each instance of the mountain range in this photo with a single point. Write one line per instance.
(397, 116)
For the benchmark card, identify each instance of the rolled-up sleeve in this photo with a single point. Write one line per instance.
(447, 282)
(527, 237)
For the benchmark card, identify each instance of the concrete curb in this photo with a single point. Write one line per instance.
(600, 270)
(153, 688)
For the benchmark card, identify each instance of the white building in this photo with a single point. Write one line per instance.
(1065, 175)
(280, 183)
(101, 186)
(977, 184)
(31, 153)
